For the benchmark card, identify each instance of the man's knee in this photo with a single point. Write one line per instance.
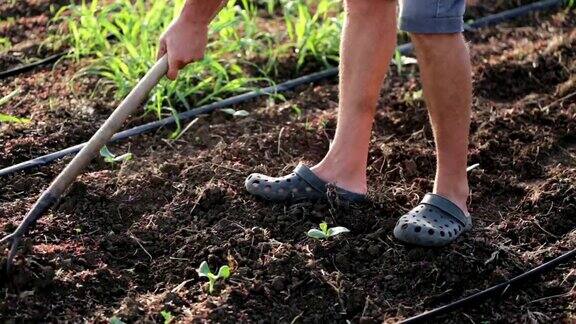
(431, 40)
(429, 45)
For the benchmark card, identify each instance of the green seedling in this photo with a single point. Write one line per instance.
(111, 158)
(4, 118)
(168, 317)
(5, 44)
(115, 320)
(324, 232)
(204, 271)
(235, 113)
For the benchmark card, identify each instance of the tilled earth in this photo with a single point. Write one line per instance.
(126, 239)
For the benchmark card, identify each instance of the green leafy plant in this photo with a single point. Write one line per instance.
(204, 271)
(5, 118)
(109, 157)
(5, 44)
(119, 41)
(324, 232)
(168, 317)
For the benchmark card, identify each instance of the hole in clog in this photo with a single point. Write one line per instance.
(288, 180)
(404, 226)
(455, 232)
(431, 232)
(450, 234)
(256, 182)
(277, 181)
(459, 228)
(452, 221)
(442, 233)
(424, 216)
(417, 229)
(436, 221)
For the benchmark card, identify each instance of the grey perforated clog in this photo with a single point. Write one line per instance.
(436, 221)
(300, 185)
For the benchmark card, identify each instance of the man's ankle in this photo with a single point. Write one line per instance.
(346, 176)
(455, 191)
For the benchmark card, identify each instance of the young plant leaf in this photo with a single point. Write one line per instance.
(109, 157)
(316, 233)
(115, 320)
(204, 269)
(337, 230)
(168, 318)
(224, 272)
(241, 113)
(13, 119)
(324, 227)
(106, 154)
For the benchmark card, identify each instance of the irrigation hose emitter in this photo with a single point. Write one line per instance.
(51, 195)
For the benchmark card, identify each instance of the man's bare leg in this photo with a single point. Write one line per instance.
(444, 63)
(367, 46)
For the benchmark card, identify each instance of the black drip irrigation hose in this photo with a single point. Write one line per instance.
(403, 49)
(25, 68)
(291, 84)
(500, 288)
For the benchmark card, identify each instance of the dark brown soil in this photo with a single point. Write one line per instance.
(126, 239)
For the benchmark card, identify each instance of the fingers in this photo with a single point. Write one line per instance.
(173, 67)
(161, 49)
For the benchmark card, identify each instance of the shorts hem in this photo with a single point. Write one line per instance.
(440, 25)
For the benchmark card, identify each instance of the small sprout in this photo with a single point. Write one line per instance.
(297, 110)
(111, 158)
(115, 320)
(168, 318)
(204, 271)
(235, 113)
(4, 118)
(324, 232)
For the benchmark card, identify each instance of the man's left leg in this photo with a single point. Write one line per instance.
(445, 71)
(436, 30)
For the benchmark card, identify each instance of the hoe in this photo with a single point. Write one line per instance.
(51, 195)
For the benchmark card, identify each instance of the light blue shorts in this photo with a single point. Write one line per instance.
(432, 16)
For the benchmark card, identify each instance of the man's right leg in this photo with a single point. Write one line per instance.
(367, 46)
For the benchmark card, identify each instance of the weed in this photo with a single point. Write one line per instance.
(5, 44)
(168, 317)
(4, 118)
(120, 39)
(204, 271)
(324, 232)
(111, 158)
